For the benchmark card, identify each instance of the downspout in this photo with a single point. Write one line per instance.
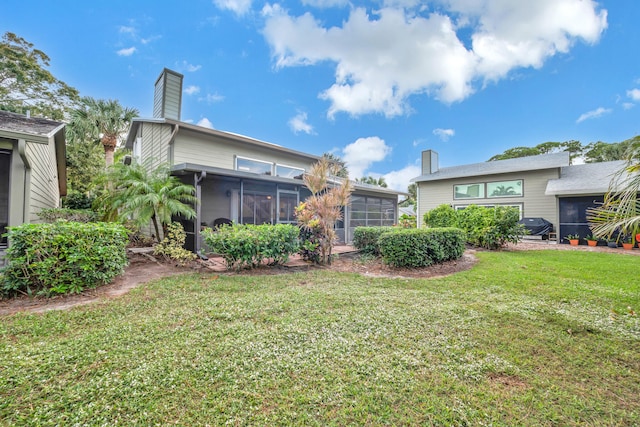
(22, 150)
(172, 139)
(418, 222)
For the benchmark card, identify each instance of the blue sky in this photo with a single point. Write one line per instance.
(374, 82)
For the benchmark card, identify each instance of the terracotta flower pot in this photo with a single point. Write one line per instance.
(592, 242)
(627, 246)
(574, 242)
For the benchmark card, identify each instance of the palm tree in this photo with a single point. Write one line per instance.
(145, 195)
(101, 120)
(620, 210)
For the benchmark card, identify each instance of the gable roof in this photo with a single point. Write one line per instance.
(589, 178)
(33, 126)
(521, 164)
(212, 132)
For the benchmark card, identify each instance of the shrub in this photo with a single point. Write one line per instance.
(246, 245)
(74, 215)
(310, 240)
(365, 239)
(491, 228)
(63, 257)
(486, 227)
(172, 246)
(407, 221)
(421, 247)
(442, 216)
(77, 200)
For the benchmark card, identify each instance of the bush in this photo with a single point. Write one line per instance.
(77, 200)
(172, 246)
(63, 257)
(73, 215)
(421, 247)
(246, 245)
(490, 228)
(442, 216)
(407, 221)
(365, 239)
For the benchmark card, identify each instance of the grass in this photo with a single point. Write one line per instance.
(524, 338)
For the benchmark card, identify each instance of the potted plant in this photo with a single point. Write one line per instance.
(574, 239)
(591, 240)
(627, 243)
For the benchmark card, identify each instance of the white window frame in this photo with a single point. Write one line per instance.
(253, 160)
(290, 167)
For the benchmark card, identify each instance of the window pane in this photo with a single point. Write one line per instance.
(468, 191)
(505, 188)
(287, 172)
(5, 168)
(288, 203)
(253, 166)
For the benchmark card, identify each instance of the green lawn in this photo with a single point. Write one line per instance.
(524, 338)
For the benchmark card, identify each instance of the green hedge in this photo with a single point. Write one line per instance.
(74, 215)
(63, 257)
(365, 239)
(421, 247)
(490, 228)
(246, 245)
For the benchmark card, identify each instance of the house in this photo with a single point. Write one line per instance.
(238, 178)
(32, 169)
(544, 186)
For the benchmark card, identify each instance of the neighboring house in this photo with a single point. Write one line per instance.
(32, 169)
(237, 178)
(544, 186)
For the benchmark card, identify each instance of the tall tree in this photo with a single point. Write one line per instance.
(573, 147)
(101, 120)
(412, 189)
(340, 169)
(379, 182)
(26, 84)
(606, 152)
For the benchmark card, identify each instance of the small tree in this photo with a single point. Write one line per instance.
(319, 213)
(145, 195)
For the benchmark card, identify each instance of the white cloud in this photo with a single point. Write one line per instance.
(239, 7)
(593, 114)
(628, 105)
(211, 98)
(205, 123)
(299, 124)
(149, 39)
(325, 3)
(634, 94)
(127, 52)
(383, 57)
(400, 179)
(126, 29)
(360, 154)
(444, 134)
(192, 90)
(184, 65)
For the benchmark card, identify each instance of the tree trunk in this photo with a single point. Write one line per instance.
(109, 143)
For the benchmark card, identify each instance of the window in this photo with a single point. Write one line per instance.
(372, 211)
(253, 166)
(287, 202)
(257, 208)
(289, 172)
(5, 174)
(468, 191)
(505, 189)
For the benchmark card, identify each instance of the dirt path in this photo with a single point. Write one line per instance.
(142, 270)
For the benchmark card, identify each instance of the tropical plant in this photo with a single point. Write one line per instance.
(619, 214)
(339, 166)
(320, 211)
(26, 84)
(379, 182)
(101, 120)
(572, 237)
(144, 194)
